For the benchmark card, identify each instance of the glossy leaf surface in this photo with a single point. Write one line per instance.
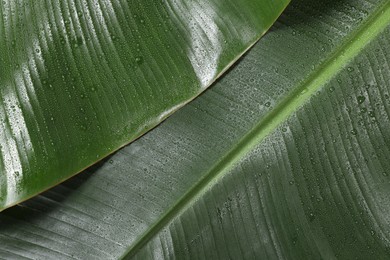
(80, 79)
(286, 157)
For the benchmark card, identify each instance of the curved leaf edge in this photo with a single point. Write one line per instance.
(161, 118)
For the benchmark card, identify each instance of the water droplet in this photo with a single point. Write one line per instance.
(139, 60)
(268, 104)
(361, 99)
(331, 89)
(350, 69)
(353, 132)
(294, 240)
(371, 114)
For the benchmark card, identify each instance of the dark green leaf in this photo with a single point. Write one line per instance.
(286, 157)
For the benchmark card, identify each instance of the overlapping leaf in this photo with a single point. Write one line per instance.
(79, 79)
(285, 157)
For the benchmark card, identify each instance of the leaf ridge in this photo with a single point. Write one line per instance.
(337, 61)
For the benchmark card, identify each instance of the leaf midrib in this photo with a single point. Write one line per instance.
(340, 58)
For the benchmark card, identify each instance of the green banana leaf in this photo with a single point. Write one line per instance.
(286, 157)
(80, 79)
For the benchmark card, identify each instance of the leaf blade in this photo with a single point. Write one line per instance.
(80, 80)
(267, 206)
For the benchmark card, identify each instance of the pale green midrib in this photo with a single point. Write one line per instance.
(337, 61)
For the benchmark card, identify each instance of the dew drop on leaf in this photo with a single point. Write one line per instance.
(361, 99)
(139, 60)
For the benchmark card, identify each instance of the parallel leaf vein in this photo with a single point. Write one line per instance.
(338, 60)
